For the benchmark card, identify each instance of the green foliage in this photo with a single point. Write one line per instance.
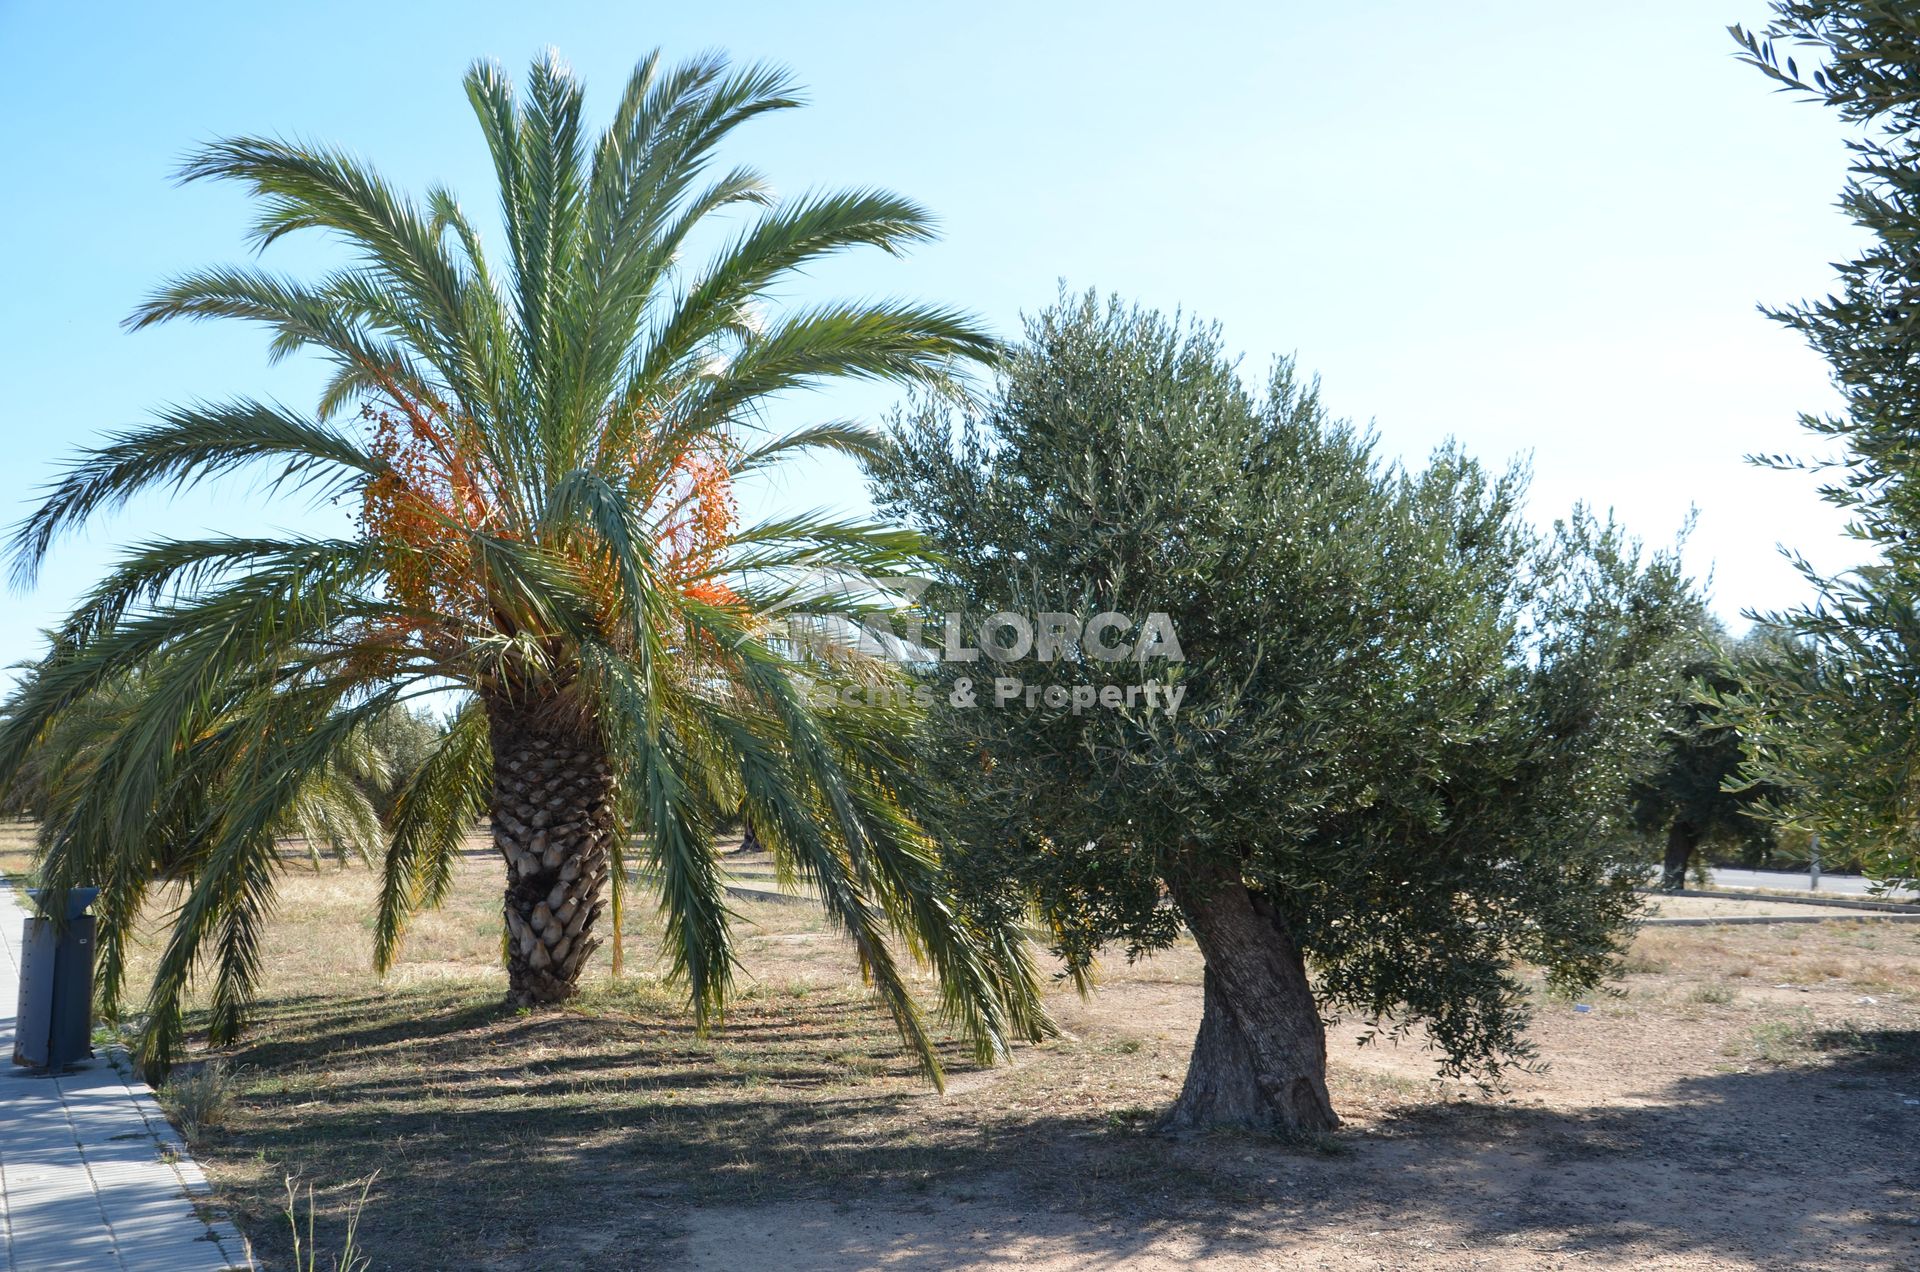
(537, 431)
(1835, 721)
(1696, 792)
(405, 740)
(80, 756)
(1833, 718)
(1410, 720)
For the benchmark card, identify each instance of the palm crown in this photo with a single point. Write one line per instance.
(542, 452)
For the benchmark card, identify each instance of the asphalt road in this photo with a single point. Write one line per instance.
(1797, 881)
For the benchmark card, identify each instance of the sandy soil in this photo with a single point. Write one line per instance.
(1746, 1098)
(1742, 1104)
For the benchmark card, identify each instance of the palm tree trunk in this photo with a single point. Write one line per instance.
(1260, 1058)
(553, 820)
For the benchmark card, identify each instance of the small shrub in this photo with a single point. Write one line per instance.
(1712, 993)
(200, 1100)
(1787, 1041)
(1783, 1041)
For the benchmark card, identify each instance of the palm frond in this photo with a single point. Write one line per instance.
(844, 436)
(184, 447)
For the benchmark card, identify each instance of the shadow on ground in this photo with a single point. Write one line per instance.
(620, 1138)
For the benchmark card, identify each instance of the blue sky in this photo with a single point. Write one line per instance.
(1506, 221)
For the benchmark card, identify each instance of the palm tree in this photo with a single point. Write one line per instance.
(542, 462)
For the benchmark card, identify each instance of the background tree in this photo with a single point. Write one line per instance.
(541, 449)
(1837, 723)
(405, 740)
(1409, 724)
(1696, 795)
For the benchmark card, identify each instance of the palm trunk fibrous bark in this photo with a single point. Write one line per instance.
(554, 819)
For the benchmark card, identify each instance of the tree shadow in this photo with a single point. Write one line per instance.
(1807, 1164)
(508, 1139)
(484, 1118)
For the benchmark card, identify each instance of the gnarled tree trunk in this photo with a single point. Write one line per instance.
(553, 821)
(1260, 1059)
(1681, 841)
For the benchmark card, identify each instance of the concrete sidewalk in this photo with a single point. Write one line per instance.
(92, 1176)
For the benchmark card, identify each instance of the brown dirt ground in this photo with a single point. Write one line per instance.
(1746, 1097)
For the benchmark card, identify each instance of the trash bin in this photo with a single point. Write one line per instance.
(54, 1026)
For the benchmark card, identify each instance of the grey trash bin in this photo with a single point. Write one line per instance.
(54, 1026)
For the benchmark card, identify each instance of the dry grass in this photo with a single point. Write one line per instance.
(199, 1098)
(609, 1134)
(16, 851)
(428, 1076)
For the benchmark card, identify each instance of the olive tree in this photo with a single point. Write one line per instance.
(1697, 795)
(1368, 735)
(1835, 720)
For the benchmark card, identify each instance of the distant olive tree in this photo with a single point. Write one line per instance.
(1695, 796)
(406, 740)
(1406, 722)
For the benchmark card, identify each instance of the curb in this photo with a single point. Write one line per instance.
(194, 1185)
(1738, 920)
(1833, 902)
(107, 1189)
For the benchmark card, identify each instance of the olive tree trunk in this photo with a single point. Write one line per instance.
(1681, 841)
(553, 821)
(1260, 1059)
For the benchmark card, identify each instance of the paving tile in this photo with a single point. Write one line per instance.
(176, 1258)
(66, 1254)
(92, 1177)
(28, 1175)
